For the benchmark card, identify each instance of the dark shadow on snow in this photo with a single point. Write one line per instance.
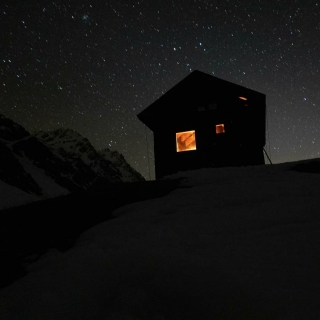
(310, 167)
(28, 231)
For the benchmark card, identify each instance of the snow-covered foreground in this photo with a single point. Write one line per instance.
(232, 243)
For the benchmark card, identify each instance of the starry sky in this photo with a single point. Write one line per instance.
(94, 65)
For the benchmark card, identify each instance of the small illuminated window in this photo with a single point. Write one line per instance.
(186, 141)
(243, 98)
(220, 128)
(201, 108)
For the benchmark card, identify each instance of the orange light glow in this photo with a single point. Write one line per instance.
(186, 141)
(220, 128)
(243, 98)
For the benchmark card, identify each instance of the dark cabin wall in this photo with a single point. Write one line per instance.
(177, 111)
(168, 161)
(241, 144)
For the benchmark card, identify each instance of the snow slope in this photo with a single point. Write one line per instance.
(12, 196)
(230, 243)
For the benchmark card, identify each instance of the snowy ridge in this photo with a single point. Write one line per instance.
(68, 143)
(21, 168)
(70, 146)
(49, 164)
(128, 173)
(230, 243)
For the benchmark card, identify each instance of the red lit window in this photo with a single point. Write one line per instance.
(220, 128)
(186, 141)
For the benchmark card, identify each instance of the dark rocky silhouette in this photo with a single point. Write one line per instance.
(48, 164)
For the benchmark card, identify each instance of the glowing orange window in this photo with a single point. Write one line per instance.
(220, 128)
(186, 141)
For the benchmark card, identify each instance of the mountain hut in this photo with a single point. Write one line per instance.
(204, 121)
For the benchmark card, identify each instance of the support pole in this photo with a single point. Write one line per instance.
(267, 156)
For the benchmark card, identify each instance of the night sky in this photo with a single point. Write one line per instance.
(94, 65)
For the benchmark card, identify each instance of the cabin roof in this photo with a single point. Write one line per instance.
(197, 88)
